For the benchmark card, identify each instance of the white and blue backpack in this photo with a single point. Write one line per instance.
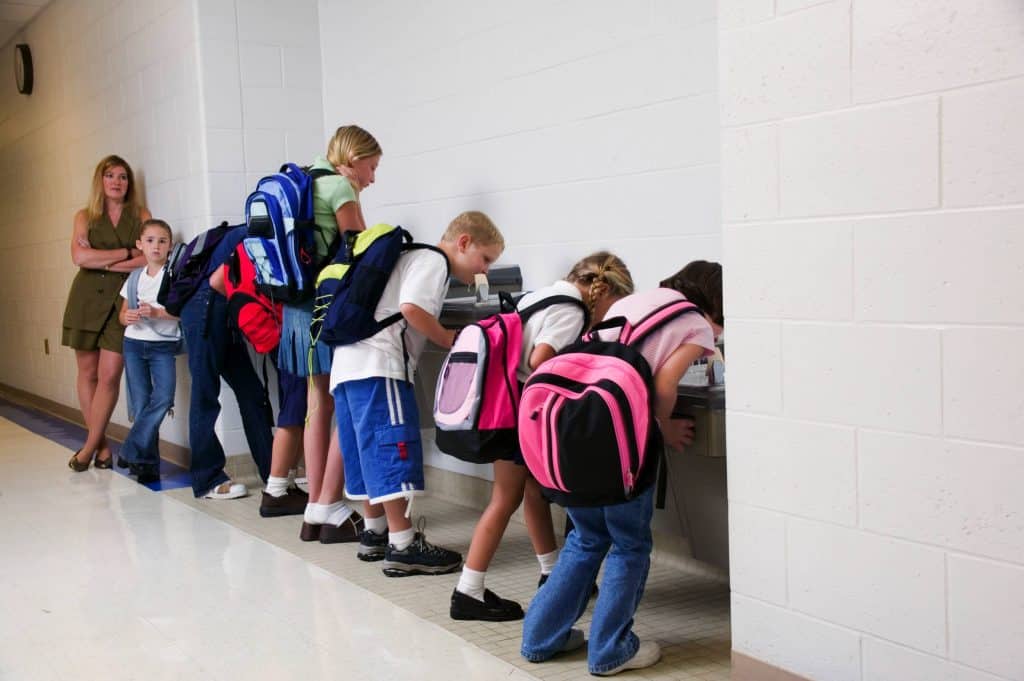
(282, 234)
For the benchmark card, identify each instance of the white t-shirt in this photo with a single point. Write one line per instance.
(558, 325)
(150, 329)
(420, 277)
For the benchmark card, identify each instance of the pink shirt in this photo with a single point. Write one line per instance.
(689, 329)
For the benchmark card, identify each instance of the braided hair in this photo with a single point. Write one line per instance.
(604, 273)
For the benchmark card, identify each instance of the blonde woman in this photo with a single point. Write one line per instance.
(103, 240)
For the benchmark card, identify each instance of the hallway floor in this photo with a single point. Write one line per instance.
(105, 578)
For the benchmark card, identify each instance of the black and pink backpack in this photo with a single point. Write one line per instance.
(586, 418)
(476, 401)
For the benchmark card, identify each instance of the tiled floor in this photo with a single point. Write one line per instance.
(688, 614)
(106, 579)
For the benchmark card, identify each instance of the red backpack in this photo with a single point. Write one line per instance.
(255, 315)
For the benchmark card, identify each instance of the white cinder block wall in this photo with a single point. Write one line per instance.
(576, 125)
(110, 78)
(873, 181)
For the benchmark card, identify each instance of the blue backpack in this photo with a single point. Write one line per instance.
(349, 289)
(282, 234)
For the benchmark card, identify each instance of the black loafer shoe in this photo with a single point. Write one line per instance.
(492, 609)
(349, 531)
(293, 502)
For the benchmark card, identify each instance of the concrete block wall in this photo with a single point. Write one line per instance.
(872, 165)
(110, 78)
(576, 125)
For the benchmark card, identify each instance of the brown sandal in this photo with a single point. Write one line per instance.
(104, 464)
(76, 465)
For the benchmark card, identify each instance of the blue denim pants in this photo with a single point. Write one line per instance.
(619, 535)
(149, 371)
(214, 352)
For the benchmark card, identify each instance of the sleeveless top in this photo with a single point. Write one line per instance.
(94, 293)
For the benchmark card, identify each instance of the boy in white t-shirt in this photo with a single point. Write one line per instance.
(375, 405)
(151, 341)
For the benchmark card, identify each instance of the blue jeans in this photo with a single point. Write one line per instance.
(214, 352)
(625, 529)
(149, 370)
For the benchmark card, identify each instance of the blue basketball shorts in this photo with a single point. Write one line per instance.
(379, 433)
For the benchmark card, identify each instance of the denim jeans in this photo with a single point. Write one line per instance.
(149, 371)
(623, 533)
(214, 352)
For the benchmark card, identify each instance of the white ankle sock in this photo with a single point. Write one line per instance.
(378, 525)
(401, 540)
(547, 561)
(277, 487)
(316, 514)
(337, 513)
(471, 583)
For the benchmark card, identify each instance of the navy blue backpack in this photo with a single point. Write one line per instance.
(282, 234)
(188, 266)
(349, 289)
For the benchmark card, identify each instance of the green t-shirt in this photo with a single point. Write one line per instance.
(330, 193)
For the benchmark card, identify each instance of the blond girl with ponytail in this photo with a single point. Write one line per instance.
(596, 281)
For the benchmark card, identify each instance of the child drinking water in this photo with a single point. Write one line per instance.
(619, 535)
(596, 281)
(151, 341)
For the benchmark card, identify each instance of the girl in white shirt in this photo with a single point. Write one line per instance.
(598, 281)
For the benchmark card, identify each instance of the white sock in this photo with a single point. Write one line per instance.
(291, 473)
(401, 540)
(471, 583)
(337, 513)
(277, 487)
(379, 525)
(316, 514)
(547, 561)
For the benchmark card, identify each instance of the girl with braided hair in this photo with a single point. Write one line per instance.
(597, 281)
(619, 535)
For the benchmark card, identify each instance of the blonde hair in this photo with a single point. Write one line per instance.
(351, 143)
(604, 273)
(97, 199)
(480, 228)
(159, 224)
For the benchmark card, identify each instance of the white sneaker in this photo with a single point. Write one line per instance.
(227, 490)
(574, 641)
(647, 654)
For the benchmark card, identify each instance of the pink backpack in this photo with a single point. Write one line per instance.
(477, 396)
(586, 419)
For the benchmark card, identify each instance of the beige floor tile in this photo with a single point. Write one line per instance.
(688, 614)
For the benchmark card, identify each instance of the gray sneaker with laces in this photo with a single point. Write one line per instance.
(420, 558)
(372, 545)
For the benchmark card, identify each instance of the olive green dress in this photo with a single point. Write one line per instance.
(90, 318)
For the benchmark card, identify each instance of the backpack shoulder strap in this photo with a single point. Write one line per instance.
(133, 288)
(413, 246)
(636, 333)
(320, 172)
(543, 303)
